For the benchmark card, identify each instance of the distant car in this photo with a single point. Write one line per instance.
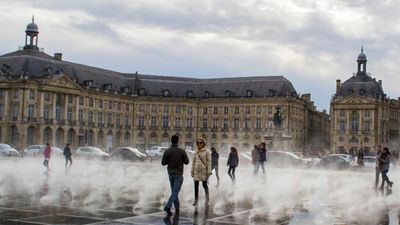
(91, 153)
(8, 151)
(285, 159)
(128, 153)
(336, 161)
(37, 150)
(156, 151)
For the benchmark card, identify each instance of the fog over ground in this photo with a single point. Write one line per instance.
(325, 196)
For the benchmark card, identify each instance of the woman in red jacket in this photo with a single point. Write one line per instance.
(47, 153)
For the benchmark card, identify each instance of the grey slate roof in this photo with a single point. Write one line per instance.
(362, 85)
(34, 63)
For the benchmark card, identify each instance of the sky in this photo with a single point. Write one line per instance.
(310, 42)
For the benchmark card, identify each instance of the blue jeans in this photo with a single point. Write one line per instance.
(257, 167)
(176, 182)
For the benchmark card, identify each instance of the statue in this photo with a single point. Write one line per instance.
(278, 119)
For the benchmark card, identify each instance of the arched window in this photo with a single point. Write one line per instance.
(118, 138)
(353, 140)
(31, 135)
(14, 135)
(206, 94)
(228, 93)
(90, 137)
(166, 93)
(60, 137)
(100, 139)
(127, 138)
(71, 136)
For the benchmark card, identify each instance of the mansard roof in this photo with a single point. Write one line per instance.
(362, 85)
(36, 64)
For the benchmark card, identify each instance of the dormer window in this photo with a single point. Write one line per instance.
(189, 94)
(107, 86)
(125, 90)
(142, 91)
(88, 83)
(362, 92)
(272, 92)
(249, 93)
(351, 92)
(206, 94)
(228, 93)
(166, 93)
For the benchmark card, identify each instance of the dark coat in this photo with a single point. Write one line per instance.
(233, 160)
(67, 152)
(214, 159)
(262, 155)
(175, 157)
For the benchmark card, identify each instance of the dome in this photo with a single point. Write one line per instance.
(361, 86)
(32, 28)
(362, 56)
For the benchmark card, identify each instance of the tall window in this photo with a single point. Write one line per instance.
(215, 123)
(247, 109)
(141, 121)
(58, 113)
(119, 106)
(226, 123)
(100, 103)
(70, 99)
(153, 121)
(367, 113)
(341, 113)
(118, 120)
(16, 94)
(15, 111)
(69, 114)
(81, 100)
(269, 109)
(126, 120)
(190, 110)
(31, 133)
(91, 102)
(32, 94)
(1, 93)
(366, 125)
(100, 117)
(226, 110)
(342, 125)
(80, 115)
(258, 110)
(110, 104)
(178, 109)
(90, 117)
(177, 122)
(215, 110)
(354, 121)
(153, 108)
(205, 110)
(189, 123)
(165, 121)
(236, 123)
(109, 118)
(46, 112)
(127, 107)
(47, 96)
(141, 108)
(1, 111)
(166, 109)
(258, 123)
(247, 124)
(205, 123)
(237, 110)
(31, 111)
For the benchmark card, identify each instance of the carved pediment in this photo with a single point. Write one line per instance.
(353, 100)
(63, 81)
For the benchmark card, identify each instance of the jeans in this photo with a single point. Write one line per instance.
(257, 167)
(385, 178)
(176, 182)
(68, 158)
(231, 172)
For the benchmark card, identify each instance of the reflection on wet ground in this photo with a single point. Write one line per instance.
(123, 197)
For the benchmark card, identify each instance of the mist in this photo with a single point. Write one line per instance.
(295, 195)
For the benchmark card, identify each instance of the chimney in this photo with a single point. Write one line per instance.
(58, 56)
(306, 97)
(338, 86)
(380, 83)
(324, 111)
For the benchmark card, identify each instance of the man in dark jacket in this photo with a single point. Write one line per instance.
(67, 153)
(262, 158)
(174, 157)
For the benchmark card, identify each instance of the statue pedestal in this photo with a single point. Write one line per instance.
(279, 141)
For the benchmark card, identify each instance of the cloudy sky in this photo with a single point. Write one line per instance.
(310, 42)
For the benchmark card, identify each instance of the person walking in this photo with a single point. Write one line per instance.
(262, 158)
(360, 158)
(214, 163)
(233, 162)
(175, 158)
(68, 155)
(385, 162)
(47, 153)
(254, 157)
(378, 168)
(201, 170)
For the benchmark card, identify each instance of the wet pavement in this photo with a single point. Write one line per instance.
(57, 198)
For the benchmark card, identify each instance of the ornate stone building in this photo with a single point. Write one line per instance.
(46, 99)
(362, 115)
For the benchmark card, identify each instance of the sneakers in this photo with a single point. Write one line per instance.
(168, 211)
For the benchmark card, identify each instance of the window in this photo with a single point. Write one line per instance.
(366, 125)
(258, 110)
(91, 102)
(247, 123)
(189, 122)
(367, 114)
(110, 104)
(189, 94)
(141, 121)
(90, 117)
(119, 106)
(1, 111)
(109, 118)
(205, 123)
(236, 123)
(81, 100)
(178, 109)
(69, 114)
(46, 112)
(31, 133)
(142, 91)
(118, 120)
(226, 110)
(228, 93)
(141, 108)
(126, 120)
(46, 96)
(342, 125)
(247, 109)
(226, 123)
(166, 93)
(100, 117)
(269, 109)
(16, 94)
(258, 123)
(237, 110)
(215, 123)
(80, 115)
(31, 111)
(354, 121)
(70, 99)
(206, 94)
(153, 121)
(153, 108)
(127, 107)
(58, 113)
(215, 110)
(165, 121)
(1, 93)
(32, 94)
(341, 113)
(190, 110)
(166, 109)
(177, 122)
(100, 103)
(249, 93)
(205, 110)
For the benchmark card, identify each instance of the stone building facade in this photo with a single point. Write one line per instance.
(46, 99)
(362, 115)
